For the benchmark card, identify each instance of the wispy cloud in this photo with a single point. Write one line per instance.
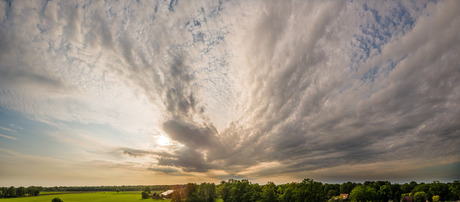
(8, 137)
(8, 129)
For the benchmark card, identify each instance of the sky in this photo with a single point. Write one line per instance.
(173, 91)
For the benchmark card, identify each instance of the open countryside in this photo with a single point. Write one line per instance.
(230, 100)
(94, 196)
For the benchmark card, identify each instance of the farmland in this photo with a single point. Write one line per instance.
(128, 196)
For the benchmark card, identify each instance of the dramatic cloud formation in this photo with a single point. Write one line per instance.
(266, 90)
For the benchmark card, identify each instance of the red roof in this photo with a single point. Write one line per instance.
(344, 196)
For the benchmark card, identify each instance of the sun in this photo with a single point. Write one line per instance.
(163, 141)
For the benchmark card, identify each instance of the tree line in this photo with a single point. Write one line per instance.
(310, 190)
(105, 188)
(10, 192)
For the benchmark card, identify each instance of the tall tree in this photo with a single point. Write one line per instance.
(454, 189)
(385, 193)
(396, 189)
(269, 192)
(346, 188)
(224, 190)
(440, 189)
(363, 193)
(20, 191)
(256, 192)
(176, 196)
(191, 192)
(207, 192)
(11, 192)
(286, 192)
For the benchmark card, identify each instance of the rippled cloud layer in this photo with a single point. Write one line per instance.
(209, 90)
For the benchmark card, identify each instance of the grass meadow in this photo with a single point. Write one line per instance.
(134, 196)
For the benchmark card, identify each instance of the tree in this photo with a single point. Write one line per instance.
(147, 189)
(422, 187)
(256, 192)
(207, 192)
(176, 196)
(286, 192)
(269, 192)
(145, 195)
(440, 189)
(315, 190)
(57, 200)
(11, 192)
(117, 190)
(331, 193)
(412, 184)
(420, 196)
(20, 191)
(241, 191)
(435, 198)
(396, 189)
(191, 192)
(224, 190)
(406, 188)
(332, 190)
(33, 191)
(454, 189)
(363, 193)
(346, 188)
(385, 193)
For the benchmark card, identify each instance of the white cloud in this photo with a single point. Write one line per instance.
(8, 129)
(8, 137)
(240, 84)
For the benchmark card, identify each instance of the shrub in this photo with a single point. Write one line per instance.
(363, 193)
(420, 196)
(145, 195)
(436, 198)
(57, 200)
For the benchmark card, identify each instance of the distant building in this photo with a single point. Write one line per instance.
(340, 198)
(344, 196)
(167, 194)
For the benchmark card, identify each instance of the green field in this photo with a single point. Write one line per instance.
(94, 196)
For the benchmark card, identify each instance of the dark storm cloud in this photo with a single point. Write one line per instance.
(191, 134)
(190, 160)
(166, 170)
